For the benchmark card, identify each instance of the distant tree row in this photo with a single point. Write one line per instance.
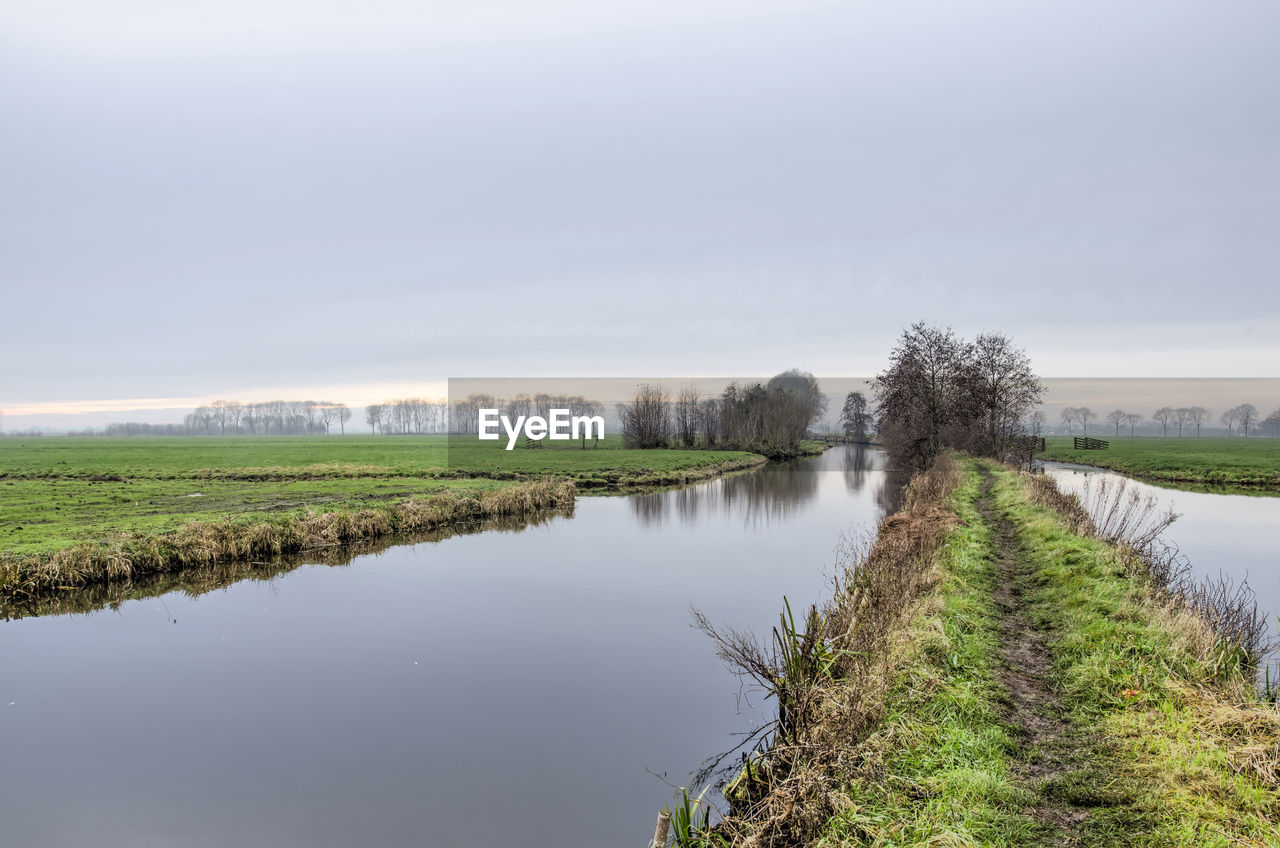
(770, 418)
(943, 391)
(403, 416)
(273, 417)
(1183, 418)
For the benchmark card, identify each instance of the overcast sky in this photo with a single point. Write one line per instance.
(210, 198)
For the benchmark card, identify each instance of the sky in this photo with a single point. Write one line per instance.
(359, 200)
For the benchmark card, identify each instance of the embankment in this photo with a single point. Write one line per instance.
(248, 538)
(992, 672)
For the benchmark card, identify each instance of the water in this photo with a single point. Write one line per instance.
(1231, 534)
(498, 689)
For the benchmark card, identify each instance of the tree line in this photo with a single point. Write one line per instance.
(942, 391)
(272, 417)
(1183, 418)
(769, 418)
(426, 416)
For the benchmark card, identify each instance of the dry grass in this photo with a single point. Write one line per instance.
(205, 543)
(1135, 524)
(831, 680)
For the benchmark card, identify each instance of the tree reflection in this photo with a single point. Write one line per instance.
(774, 492)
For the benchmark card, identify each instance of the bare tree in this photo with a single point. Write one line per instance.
(645, 422)
(1133, 419)
(1271, 425)
(1182, 415)
(1163, 416)
(709, 420)
(793, 401)
(518, 406)
(1069, 417)
(919, 392)
(327, 412)
(235, 411)
(1230, 418)
(373, 416)
(686, 415)
(220, 412)
(1084, 415)
(942, 391)
(1246, 414)
(1004, 389)
(1117, 417)
(1197, 416)
(855, 418)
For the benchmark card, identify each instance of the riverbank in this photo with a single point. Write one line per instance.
(78, 511)
(1038, 688)
(126, 556)
(1237, 462)
(59, 492)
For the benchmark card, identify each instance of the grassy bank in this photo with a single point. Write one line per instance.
(127, 556)
(60, 492)
(1213, 461)
(1037, 688)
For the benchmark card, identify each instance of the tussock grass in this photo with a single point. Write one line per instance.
(205, 543)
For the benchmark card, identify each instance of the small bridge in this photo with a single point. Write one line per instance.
(1086, 443)
(838, 439)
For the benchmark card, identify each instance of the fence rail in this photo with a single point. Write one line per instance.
(1086, 443)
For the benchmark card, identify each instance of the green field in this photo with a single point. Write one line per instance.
(1214, 461)
(49, 501)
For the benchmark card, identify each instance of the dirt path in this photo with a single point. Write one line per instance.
(1034, 707)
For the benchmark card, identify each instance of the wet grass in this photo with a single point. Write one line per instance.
(1236, 462)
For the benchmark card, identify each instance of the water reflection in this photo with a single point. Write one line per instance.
(776, 492)
(199, 580)
(477, 690)
(857, 462)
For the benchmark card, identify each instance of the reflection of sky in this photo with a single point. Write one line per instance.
(461, 693)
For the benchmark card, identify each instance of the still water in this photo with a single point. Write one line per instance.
(497, 689)
(1229, 534)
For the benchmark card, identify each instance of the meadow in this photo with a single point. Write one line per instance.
(60, 491)
(1210, 460)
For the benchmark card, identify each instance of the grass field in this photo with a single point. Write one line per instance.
(1214, 461)
(49, 498)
